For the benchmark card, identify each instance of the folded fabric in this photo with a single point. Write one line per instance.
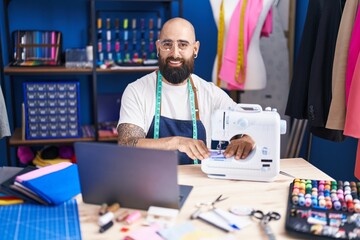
(28, 193)
(38, 161)
(6, 186)
(54, 184)
(42, 171)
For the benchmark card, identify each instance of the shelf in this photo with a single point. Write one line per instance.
(14, 73)
(16, 140)
(127, 69)
(9, 70)
(84, 71)
(107, 139)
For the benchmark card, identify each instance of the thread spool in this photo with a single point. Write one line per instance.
(103, 209)
(133, 217)
(105, 219)
(114, 207)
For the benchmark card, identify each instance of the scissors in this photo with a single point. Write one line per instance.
(265, 219)
(209, 205)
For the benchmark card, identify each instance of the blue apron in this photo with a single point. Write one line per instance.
(172, 127)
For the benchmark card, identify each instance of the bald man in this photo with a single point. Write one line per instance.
(171, 108)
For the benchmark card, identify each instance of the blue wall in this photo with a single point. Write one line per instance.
(71, 17)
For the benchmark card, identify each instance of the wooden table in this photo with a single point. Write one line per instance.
(265, 196)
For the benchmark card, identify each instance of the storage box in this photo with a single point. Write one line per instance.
(77, 58)
(36, 48)
(51, 110)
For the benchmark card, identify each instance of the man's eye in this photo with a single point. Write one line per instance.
(167, 45)
(183, 45)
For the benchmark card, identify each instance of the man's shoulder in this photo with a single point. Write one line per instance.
(147, 79)
(200, 82)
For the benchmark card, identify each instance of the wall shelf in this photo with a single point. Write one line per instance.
(8, 70)
(14, 73)
(16, 140)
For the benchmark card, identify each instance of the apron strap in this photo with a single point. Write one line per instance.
(195, 98)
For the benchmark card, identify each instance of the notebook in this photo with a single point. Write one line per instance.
(134, 177)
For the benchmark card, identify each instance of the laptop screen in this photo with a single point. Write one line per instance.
(133, 177)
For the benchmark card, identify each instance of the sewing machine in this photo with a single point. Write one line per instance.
(265, 127)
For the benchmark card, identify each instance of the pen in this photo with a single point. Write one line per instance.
(231, 224)
(106, 227)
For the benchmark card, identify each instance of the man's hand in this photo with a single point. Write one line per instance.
(195, 149)
(240, 148)
(132, 135)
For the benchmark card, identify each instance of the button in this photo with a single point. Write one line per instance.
(243, 123)
(265, 151)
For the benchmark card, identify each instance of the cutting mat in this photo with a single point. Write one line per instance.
(31, 221)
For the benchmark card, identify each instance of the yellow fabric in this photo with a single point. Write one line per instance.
(38, 161)
(220, 41)
(10, 202)
(240, 68)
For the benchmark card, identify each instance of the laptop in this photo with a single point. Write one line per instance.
(134, 177)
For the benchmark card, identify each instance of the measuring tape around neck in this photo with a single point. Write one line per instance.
(158, 108)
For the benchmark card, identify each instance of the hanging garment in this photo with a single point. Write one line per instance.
(336, 117)
(352, 122)
(238, 43)
(222, 12)
(354, 50)
(255, 67)
(230, 57)
(310, 90)
(4, 122)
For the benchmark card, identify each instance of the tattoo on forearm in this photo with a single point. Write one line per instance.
(134, 142)
(129, 134)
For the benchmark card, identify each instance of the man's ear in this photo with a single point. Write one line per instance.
(157, 44)
(196, 48)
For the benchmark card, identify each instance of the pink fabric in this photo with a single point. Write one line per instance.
(267, 28)
(352, 121)
(354, 49)
(228, 66)
(252, 13)
(42, 171)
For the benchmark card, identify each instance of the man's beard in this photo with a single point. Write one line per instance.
(176, 75)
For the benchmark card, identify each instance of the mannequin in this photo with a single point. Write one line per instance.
(255, 68)
(255, 75)
(229, 7)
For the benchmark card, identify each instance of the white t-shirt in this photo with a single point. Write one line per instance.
(139, 100)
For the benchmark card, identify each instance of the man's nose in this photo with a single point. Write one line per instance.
(176, 50)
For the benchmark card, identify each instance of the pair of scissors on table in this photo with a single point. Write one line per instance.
(208, 205)
(264, 218)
